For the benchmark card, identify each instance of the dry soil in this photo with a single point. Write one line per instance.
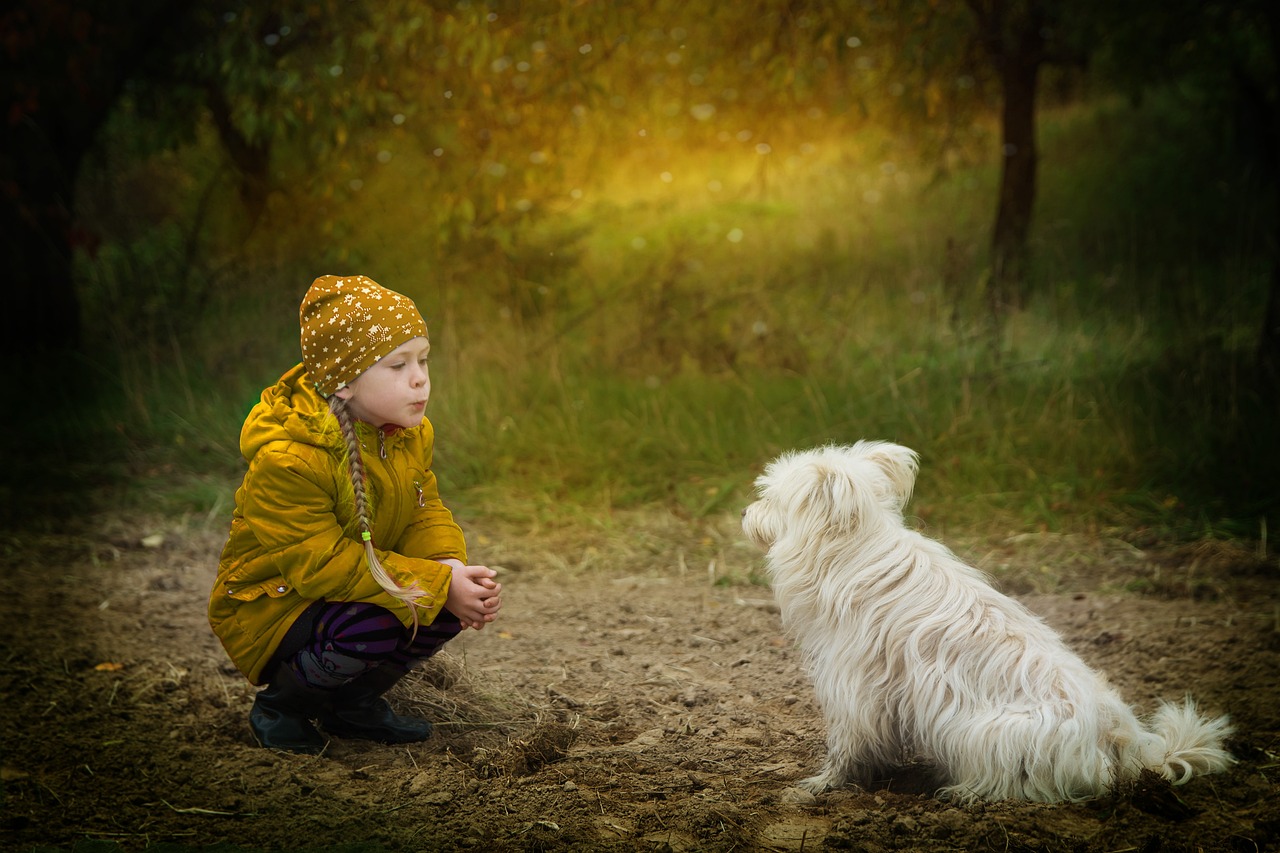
(638, 693)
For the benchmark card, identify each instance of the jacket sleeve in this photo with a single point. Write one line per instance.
(290, 507)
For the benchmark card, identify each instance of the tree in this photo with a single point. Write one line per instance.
(1226, 55)
(62, 68)
(947, 60)
(300, 93)
(1018, 37)
(1006, 43)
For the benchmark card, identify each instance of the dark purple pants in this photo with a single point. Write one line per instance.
(335, 642)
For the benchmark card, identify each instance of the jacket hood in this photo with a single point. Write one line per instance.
(290, 410)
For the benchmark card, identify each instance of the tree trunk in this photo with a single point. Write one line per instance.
(43, 313)
(1013, 35)
(1019, 76)
(252, 161)
(65, 66)
(1269, 338)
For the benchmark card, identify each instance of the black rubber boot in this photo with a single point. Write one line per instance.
(359, 711)
(282, 712)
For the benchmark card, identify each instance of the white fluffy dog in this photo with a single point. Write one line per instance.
(914, 655)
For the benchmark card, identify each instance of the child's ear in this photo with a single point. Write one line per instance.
(343, 393)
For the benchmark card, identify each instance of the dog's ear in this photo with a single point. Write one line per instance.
(833, 488)
(803, 493)
(838, 497)
(899, 464)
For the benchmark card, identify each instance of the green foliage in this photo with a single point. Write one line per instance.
(624, 319)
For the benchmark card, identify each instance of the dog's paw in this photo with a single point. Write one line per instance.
(816, 784)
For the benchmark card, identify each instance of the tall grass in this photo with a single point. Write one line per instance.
(719, 308)
(1019, 443)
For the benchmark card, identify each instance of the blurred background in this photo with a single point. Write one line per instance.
(659, 242)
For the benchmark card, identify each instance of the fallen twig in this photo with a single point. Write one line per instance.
(209, 812)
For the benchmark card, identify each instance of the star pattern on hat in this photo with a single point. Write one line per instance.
(349, 324)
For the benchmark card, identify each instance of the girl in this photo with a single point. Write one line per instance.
(343, 568)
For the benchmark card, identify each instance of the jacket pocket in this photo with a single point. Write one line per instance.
(274, 588)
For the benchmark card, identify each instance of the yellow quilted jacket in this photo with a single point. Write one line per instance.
(294, 535)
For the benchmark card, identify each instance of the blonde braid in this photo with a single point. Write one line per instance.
(355, 462)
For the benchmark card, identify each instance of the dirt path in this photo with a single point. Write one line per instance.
(624, 701)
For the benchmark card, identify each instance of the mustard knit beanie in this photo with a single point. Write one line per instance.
(348, 324)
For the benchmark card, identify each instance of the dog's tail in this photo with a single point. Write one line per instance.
(1183, 744)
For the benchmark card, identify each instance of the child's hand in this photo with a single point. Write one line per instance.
(474, 596)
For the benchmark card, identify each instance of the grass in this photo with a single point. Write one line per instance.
(709, 319)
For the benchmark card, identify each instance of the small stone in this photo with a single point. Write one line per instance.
(797, 796)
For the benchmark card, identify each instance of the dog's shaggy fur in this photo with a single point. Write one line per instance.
(915, 656)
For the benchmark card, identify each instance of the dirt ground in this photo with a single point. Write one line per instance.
(638, 693)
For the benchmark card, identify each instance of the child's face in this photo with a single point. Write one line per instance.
(395, 390)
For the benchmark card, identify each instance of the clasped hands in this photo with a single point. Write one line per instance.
(474, 596)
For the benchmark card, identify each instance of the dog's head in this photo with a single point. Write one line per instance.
(806, 495)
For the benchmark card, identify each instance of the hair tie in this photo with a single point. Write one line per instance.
(366, 535)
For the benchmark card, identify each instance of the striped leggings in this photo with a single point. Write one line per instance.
(335, 642)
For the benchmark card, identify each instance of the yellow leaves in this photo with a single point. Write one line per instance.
(108, 666)
(466, 210)
(933, 98)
